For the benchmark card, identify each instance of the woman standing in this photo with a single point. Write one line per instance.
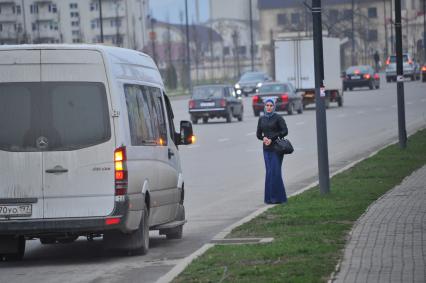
(271, 126)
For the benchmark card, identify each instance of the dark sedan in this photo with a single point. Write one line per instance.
(285, 96)
(250, 82)
(361, 76)
(215, 101)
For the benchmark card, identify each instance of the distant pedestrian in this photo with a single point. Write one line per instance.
(376, 58)
(271, 126)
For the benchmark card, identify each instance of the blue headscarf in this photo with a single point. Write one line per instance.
(269, 114)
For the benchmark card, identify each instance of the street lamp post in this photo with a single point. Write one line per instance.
(424, 31)
(323, 166)
(100, 21)
(251, 37)
(400, 77)
(153, 37)
(188, 58)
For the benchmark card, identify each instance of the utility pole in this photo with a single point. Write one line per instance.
(392, 24)
(100, 21)
(251, 36)
(353, 33)
(188, 58)
(323, 166)
(424, 30)
(400, 77)
(386, 29)
(153, 37)
(24, 22)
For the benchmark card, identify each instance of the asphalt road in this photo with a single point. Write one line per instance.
(224, 176)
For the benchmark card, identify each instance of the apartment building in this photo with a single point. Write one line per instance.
(368, 22)
(74, 21)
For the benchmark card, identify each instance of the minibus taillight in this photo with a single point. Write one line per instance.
(255, 99)
(222, 103)
(191, 104)
(120, 171)
(284, 97)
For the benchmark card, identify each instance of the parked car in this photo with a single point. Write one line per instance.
(424, 72)
(285, 96)
(411, 69)
(361, 76)
(250, 82)
(87, 148)
(215, 101)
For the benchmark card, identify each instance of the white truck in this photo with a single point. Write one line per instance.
(294, 63)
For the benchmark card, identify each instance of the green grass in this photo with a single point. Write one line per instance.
(310, 231)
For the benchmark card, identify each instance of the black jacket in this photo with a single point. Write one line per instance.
(272, 128)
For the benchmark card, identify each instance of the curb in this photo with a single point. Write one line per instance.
(177, 269)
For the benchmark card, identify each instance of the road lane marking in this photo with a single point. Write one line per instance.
(360, 112)
(223, 140)
(341, 115)
(300, 123)
(378, 108)
(393, 106)
(409, 103)
(251, 134)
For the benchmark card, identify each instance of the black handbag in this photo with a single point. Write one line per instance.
(283, 146)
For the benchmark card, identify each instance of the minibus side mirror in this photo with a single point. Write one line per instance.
(186, 133)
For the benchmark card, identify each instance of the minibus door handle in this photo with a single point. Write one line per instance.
(170, 153)
(57, 170)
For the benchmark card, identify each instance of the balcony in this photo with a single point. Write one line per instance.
(46, 34)
(46, 17)
(7, 2)
(8, 18)
(8, 35)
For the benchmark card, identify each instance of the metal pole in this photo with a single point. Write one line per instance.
(400, 77)
(100, 21)
(25, 23)
(251, 37)
(386, 30)
(424, 31)
(188, 58)
(392, 37)
(353, 33)
(324, 175)
(154, 54)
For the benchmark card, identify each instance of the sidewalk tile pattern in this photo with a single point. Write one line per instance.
(388, 243)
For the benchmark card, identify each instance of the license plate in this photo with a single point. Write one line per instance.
(309, 95)
(206, 104)
(355, 77)
(247, 89)
(10, 210)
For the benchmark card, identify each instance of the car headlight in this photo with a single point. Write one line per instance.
(238, 91)
(259, 84)
(237, 85)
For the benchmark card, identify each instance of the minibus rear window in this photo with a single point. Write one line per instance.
(53, 116)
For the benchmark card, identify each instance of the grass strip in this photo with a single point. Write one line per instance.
(310, 231)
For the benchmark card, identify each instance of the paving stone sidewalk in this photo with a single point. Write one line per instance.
(388, 243)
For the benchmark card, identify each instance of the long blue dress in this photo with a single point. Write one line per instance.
(274, 185)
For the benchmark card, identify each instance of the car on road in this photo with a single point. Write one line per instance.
(361, 76)
(250, 82)
(215, 101)
(285, 96)
(411, 68)
(424, 72)
(87, 148)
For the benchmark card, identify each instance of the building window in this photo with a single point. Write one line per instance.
(242, 50)
(94, 6)
(1, 27)
(115, 23)
(74, 14)
(333, 15)
(372, 35)
(52, 8)
(75, 23)
(94, 24)
(282, 19)
(73, 5)
(18, 9)
(34, 26)
(226, 50)
(34, 9)
(75, 32)
(347, 14)
(295, 18)
(372, 12)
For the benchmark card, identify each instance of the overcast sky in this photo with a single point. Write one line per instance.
(161, 9)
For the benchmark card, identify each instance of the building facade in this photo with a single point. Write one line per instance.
(74, 21)
(364, 26)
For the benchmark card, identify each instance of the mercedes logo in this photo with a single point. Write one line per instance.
(42, 142)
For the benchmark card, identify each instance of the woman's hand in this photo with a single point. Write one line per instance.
(266, 141)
